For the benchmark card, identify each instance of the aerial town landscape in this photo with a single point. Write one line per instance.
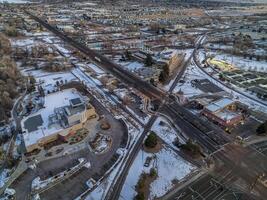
(133, 100)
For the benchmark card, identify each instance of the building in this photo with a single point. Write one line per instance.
(223, 112)
(64, 113)
(172, 58)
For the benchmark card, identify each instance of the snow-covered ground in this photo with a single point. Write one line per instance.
(133, 66)
(25, 42)
(165, 131)
(190, 74)
(137, 168)
(48, 80)
(243, 63)
(169, 165)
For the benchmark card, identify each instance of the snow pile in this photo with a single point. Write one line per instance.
(4, 176)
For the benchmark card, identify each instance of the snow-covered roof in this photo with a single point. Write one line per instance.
(168, 53)
(33, 133)
(226, 115)
(219, 104)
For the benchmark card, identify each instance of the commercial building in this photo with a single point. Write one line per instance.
(223, 112)
(64, 113)
(172, 58)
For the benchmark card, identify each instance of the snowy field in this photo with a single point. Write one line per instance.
(243, 63)
(164, 130)
(188, 90)
(169, 165)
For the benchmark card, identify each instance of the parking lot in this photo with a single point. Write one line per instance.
(206, 86)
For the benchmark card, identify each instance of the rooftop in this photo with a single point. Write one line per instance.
(219, 104)
(227, 115)
(46, 121)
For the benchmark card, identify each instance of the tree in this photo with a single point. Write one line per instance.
(151, 140)
(128, 55)
(32, 80)
(262, 128)
(164, 74)
(148, 60)
(221, 77)
(153, 172)
(11, 31)
(191, 147)
(152, 81)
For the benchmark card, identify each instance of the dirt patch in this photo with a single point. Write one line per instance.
(192, 155)
(195, 12)
(143, 185)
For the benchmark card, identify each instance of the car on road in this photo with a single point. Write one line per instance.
(148, 161)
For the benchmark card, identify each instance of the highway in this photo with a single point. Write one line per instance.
(212, 140)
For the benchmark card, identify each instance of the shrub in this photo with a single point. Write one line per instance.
(153, 172)
(140, 196)
(148, 60)
(191, 147)
(262, 128)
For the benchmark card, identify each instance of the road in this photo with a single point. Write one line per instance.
(211, 139)
(209, 187)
